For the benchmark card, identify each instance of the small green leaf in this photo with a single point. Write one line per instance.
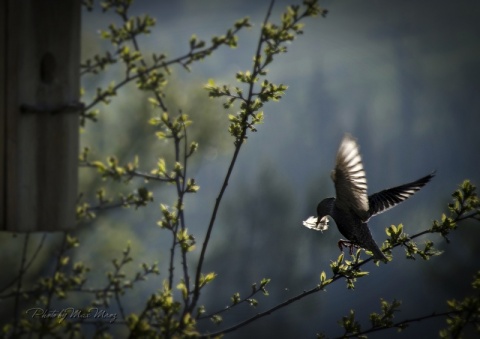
(160, 135)
(217, 319)
(235, 298)
(183, 288)
(323, 276)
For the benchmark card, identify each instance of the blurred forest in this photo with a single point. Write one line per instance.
(401, 76)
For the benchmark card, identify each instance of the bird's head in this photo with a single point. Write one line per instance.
(320, 223)
(324, 209)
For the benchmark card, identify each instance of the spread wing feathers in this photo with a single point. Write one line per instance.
(349, 178)
(386, 199)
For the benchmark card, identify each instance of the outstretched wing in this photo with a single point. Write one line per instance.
(386, 199)
(349, 178)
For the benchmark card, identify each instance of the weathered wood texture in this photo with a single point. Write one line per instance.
(3, 116)
(40, 145)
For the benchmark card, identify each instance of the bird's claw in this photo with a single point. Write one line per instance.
(346, 243)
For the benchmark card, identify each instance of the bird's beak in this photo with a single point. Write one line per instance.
(323, 221)
(322, 224)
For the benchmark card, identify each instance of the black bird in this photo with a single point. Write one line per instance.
(352, 208)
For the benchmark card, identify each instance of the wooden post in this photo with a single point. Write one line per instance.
(39, 84)
(3, 113)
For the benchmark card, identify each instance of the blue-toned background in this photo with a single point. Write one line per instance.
(401, 76)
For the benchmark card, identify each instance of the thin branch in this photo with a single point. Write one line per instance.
(177, 140)
(316, 289)
(144, 64)
(186, 276)
(130, 173)
(401, 324)
(230, 307)
(472, 215)
(265, 313)
(119, 304)
(185, 163)
(171, 266)
(58, 267)
(238, 145)
(138, 75)
(103, 206)
(182, 60)
(27, 266)
(19, 281)
(106, 206)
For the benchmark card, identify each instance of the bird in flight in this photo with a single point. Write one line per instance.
(352, 208)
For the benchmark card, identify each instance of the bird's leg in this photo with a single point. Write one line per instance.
(346, 243)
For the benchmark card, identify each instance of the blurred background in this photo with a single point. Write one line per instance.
(403, 77)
